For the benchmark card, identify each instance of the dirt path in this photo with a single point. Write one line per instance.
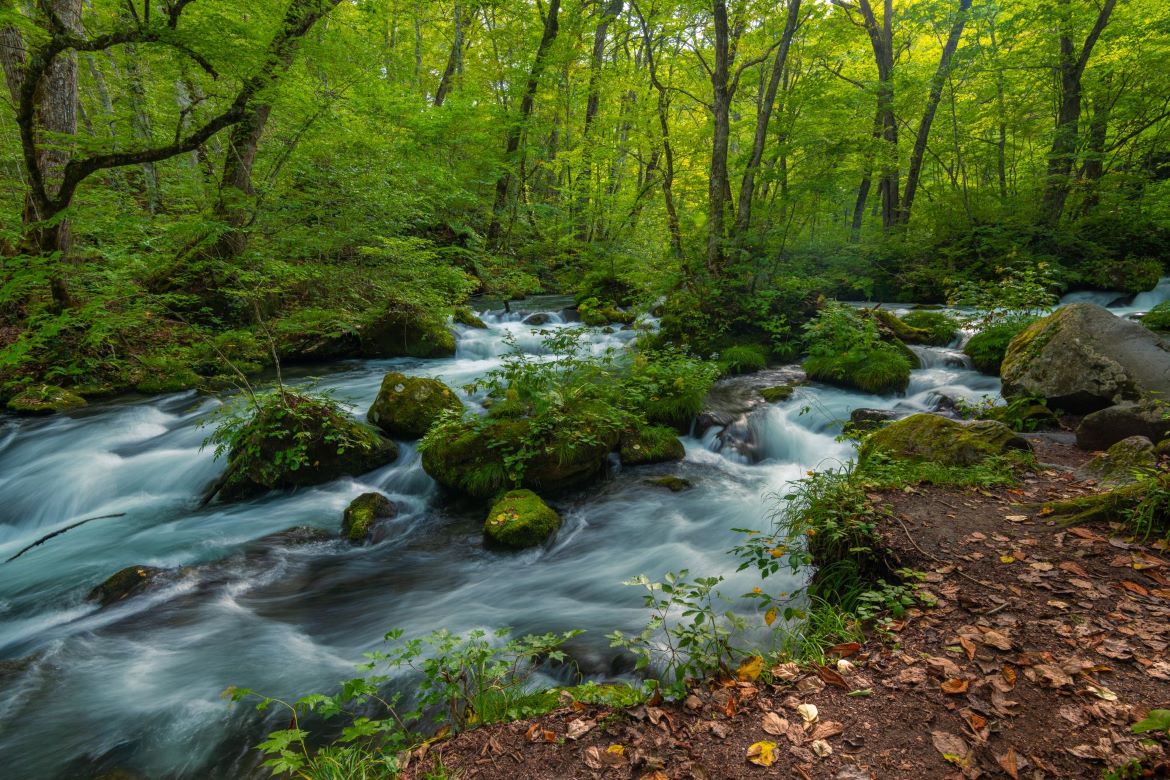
(1044, 646)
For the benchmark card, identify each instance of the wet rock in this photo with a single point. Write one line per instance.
(407, 333)
(869, 419)
(406, 407)
(732, 399)
(538, 319)
(289, 537)
(362, 513)
(778, 393)
(1101, 430)
(652, 444)
(521, 519)
(1122, 463)
(672, 483)
(465, 316)
(1083, 358)
(944, 441)
(128, 582)
(45, 399)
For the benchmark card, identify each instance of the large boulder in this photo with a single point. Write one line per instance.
(45, 399)
(126, 583)
(1123, 462)
(521, 519)
(297, 442)
(407, 406)
(930, 437)
(360, 516)
(655, 444)
(407, 333)
(1101, 430)
(1082, 358)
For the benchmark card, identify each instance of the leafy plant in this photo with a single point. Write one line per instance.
(1021, 292)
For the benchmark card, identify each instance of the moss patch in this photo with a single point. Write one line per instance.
(407, 333)
(657, 444)
(1124, 462)
(930, 437)
(900, 329)
(597, 314)
(776, 394)
(45, 399)
(406, 407)
(124, 584)
(988, 347)
(940, 329)
(362, 513)
(881, 370)
(671, 483)
(465, 316)
(1158, 318)
(521, 519)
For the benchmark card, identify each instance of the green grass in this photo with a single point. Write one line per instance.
(881, 370)
(743, 359)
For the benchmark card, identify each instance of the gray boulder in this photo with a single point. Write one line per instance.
(1082, 358)
(1101, 430)
(1122, 464)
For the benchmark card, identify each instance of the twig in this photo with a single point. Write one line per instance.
(937, 559)
(44, 539)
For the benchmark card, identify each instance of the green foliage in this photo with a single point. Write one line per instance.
(1025, 414)
(941, 328)
(596, 314)
(988, 347)
(1156, 721)
(846, 348)
(1018, 293)
(1158, 318)
(743, 359)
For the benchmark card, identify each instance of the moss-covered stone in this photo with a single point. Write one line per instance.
(362, 513)
(465, 316)
(1123, 463)
(335, 445)
(656, 444)
(778, 393)
(940, 329)
(942, 440)
(407, 406)
(45, 399)
(988, 347)
(882, 370)
(1023, 414)
(1158, 318)
(469, 460)
(1101, 430)
(124, 584)
(521, 519)
(891, 324)
(1083, 358)
(407, 333)
(672, 483)
(597, 314)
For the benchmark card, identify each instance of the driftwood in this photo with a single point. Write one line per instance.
(60, 531)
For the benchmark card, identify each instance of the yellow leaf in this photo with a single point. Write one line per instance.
(1006, 559)
(617, 750)
(762, 753)
(776, 552)
(750, 670)
(770, 616)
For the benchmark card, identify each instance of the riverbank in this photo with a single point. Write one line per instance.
(1044, 646)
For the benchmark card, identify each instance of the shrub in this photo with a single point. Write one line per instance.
(743, 359)
(845, 348)
(940, 327)
(1158, 318)
(988, 347)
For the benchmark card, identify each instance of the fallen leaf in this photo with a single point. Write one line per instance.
(1101, 692)
(968, 647)
(821, 748)
(844, 667)
(995, 639)
(826, 729)
(1041, 566)
(775, 725)
(1133, 587)
(1015, 518)
(786, 671)
(954, 687)
(953, 748)
(579, 728)
(1073, 568)
(762, 753)
(1049, 675)
(831, 677)
(751, 669)
(1009, 763)
(596, 758)
(845, 650)
(808, 712)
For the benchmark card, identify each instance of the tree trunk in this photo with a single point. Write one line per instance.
(663, 109)
(747, 190)
(1094, 167)
(592, 106)
(516, 130)
(936, 87)
(721, 109)
(1070, 70)
(455, 58)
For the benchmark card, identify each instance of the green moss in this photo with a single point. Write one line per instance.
(465, 316)
(362, 513)
(987, 348)
(521, 519)
(45, 399)
(166, 374)
(123, 584)
(671, 483)
(779, 393)
(597, 314)
(651, 445)
(407, 332)
(743, 359)
(940, 329)
(937, 439)
(1124, 463)
(881, 370)
(406, 407)
(1023, 414)
(900, 329)
(1158, 318)
(1029, 342)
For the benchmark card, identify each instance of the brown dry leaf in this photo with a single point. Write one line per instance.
(1015, 518)
(1101, 692)
(693, 702)
(831, 676)
(1116, 648)
(944, 666)
(821, 748)
(808, 712)
(976, 721)
(775, 725)
(762, 753)
(579, 728)
(995, 639)
(1159, 669)
(1082, 584)
(845, 650)
(596, 758)
(657, 774)
(914, 675)
(786, 672)
(1133, 587)
(1002, 704)
(969, 647)
(1009, 675)
(1073, 568)
(826, 729)
(1009, 763)
(1049, 675)
(533, 733)
(1085, 533)
(952, 747)
(954, 686)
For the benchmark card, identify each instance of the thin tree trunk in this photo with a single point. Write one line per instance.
(592, 106)
(721, 109)
(455, 58)
(663, 110)
(516, 130)
(936, 88)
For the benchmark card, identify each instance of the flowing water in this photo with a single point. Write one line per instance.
(137, 685)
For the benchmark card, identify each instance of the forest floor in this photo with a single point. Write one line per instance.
(1044, 646)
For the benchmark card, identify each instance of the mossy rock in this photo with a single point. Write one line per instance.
(1024, 414)
(259, 461)
(988, 347)
(165, 375)
(465, 316)
(360, 516)
(469, 459)
(672, 483)
(865, 420)
(1123, 462)
(126, 583)
(1158, 318)
(778, 393)
(899, 329)
(597, 314)
(407, 333)
(940, 329)
(1083, 358)
(657, 444)
(930, 437)
(521, 519)
(882, 370)
(45, 399)
(1101, 430)
(407, 406)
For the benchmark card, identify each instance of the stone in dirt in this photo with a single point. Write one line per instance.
(407, 406)
(360, 516)
(1101, 430)
(521, 519)
(1123, 462)
(1082, 358)
(942, 440)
